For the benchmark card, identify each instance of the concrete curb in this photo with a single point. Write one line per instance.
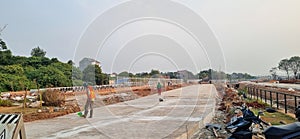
(207, 118)
(191, 131)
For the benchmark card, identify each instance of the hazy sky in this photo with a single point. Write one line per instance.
(236, 36)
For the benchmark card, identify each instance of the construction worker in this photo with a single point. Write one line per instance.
(90, 100)
(159, 91)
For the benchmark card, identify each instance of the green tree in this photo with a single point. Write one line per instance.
(66, 69)
(154, 72)
(12, 78)
(284, 64)
(35, 62)
(70, 62)
(19, 72)
(124, 74)
(105, 79)
(142, 75)
(50, 76)
(22, 60)
(229, 77)
(295, 65)
(54, 60)
(38, 52)
(10, 82)
(99, 76)
(12, 69)
(205, 74)
(273, 72)
(2, 45)
(5, 57)
(172, 75)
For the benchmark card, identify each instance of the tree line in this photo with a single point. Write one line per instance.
(289, 66)
(211, 74)
(205, 75)
(38, 71)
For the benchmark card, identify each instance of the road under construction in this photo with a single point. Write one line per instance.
(181, 113)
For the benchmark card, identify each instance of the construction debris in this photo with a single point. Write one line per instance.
(224, 113)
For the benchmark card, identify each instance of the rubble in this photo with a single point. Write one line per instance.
(226, 110)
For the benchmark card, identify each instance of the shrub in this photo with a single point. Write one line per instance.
(242, 91)
(6, 103)
(53, 98)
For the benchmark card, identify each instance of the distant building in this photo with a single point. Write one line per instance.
(112, 78)
(87, 61)
(113, 75)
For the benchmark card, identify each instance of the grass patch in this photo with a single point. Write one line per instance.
(6, 103)
(248, 100)
(275, 118)
(242, 91)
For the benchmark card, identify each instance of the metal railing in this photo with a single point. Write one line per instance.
(286, 100)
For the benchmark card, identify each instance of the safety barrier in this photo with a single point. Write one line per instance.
(286, 100)
(12, 126)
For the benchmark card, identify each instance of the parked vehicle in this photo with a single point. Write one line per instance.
(242, 127)
(297, 112)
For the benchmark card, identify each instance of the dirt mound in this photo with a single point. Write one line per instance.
(143, 91)
(47, 115)
(171, 87)
(255, 104)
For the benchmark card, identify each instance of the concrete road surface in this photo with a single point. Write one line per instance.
(182, 111)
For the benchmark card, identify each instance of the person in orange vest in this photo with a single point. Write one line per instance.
(91, 96)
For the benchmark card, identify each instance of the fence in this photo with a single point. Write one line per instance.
(286, 100)
(120, 82)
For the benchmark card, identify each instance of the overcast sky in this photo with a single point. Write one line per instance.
(236, 36)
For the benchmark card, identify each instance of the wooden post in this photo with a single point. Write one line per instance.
(250, 92)
(265, 96)
(277, 100)
(40, 94)
(260, 91)
(285, 106)
(295, 102)
(12, 126)
(256, 94)
(20, 130)
(25, 97)
(271, 98)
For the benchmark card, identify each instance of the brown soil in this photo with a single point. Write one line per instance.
(174, 87)
(143, 91)
(47, 115)
(255, 104)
